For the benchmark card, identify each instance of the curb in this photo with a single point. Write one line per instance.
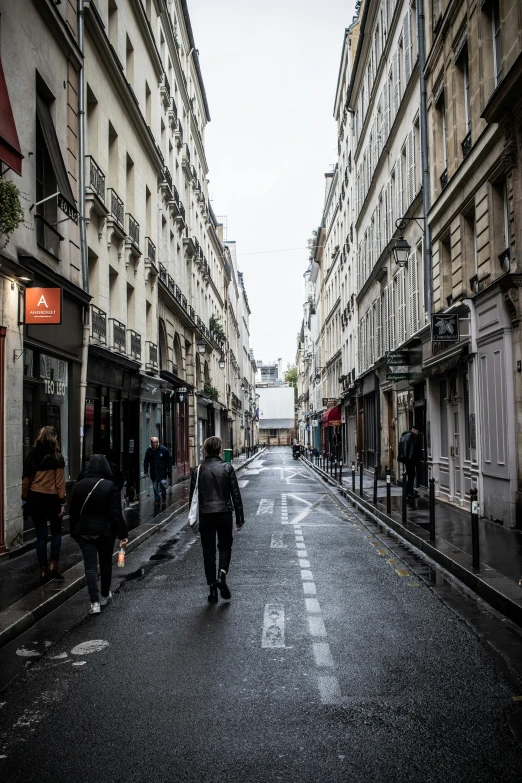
(494, 588)
(27, 611)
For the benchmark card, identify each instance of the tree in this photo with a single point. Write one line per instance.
(291, 378)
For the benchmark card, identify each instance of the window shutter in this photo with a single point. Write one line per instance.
(413, 285)
(406, 46)
(375, 156)
(410, 165)
(378, 228)
(391, 312)
(384, 11)
(385, 114)
(390, 230)
(396, 84)
(371, 337)
(385, 320)
(398, 189)
(378, 329)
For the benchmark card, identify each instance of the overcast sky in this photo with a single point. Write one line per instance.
(270, 72)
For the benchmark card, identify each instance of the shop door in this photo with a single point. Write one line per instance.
(370, 435)
(361, 434)
(455, 452)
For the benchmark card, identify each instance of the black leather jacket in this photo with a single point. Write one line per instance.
(218, 488)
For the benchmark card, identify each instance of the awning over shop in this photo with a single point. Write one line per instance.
(66, 200)
(332, 417)
(10, 152)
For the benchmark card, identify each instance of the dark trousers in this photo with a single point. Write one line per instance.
(211, 525)
(43, 508)
(411, 469)
(92, 549)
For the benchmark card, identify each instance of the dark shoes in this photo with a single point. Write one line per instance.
(54, 571)
(44, 577)
(222, 585)
(213, 595)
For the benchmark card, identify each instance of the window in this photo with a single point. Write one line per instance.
(497, 41)
(467, 103)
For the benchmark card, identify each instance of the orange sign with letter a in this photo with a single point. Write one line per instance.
(43, 306)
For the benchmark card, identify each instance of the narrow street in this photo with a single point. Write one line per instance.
(331, 662)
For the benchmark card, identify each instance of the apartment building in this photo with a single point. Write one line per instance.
(474, 81)
(42, 298)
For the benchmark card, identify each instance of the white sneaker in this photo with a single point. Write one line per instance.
(95, 608)
(105, 599)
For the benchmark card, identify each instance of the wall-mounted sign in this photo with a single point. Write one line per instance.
(329, 402)
(397, 376)
(397, 358)
(445, 328)
(43, 306)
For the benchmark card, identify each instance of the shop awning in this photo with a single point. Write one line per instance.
(10, 152)
(66, 200)
(332, 417)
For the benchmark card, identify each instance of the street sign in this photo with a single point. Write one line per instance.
(397, 358)
(397, 376)
(445, 328)
(43, 306)
(329, 402)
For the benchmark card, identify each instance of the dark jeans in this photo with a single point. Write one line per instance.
(411, 469)
(211, 525)
(43, 508)
(92, 549)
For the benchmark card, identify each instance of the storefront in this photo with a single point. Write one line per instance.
(332, 432)
(205, 422)
(368, 425)
(174, 423)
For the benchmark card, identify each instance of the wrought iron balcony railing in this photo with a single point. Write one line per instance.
(151, 250)
(133, 229)
(165, 88)
(163, 273)
(167, 176)
(117, 335)
(116, 206)
(96, 178)
(171, 285)
(152, 357)
(466, 145)
(98, 324)
(444, 179)
(134, 344)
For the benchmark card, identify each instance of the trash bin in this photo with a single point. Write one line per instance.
(227, 454)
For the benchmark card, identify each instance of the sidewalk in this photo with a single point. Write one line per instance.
(497, 581)
(23, 600)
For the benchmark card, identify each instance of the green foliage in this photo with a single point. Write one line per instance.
(11, 212)
(211, 392)
(291, 378)
(216, 327)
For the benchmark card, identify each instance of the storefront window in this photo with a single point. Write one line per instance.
(54, 400)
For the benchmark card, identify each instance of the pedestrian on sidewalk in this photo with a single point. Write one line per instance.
(44, 499)
(409, 455)
(218, 492)
(96, 520)
(159, 463)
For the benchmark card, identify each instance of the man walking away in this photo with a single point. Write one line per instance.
(409, 455)
(218, 492)
(159, 463)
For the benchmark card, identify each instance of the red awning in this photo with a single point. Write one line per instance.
(10, 152)
(332, 417)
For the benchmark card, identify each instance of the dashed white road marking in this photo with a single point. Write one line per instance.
(316, 626)
(313, 606)
(329, 690)
(302, 553)
(242, 484)
(79, 663)
(265, 507)
(299, 538)
(300, 545)
(322, 654)
(277, 541)
(304, 563)
(273, 626)
(309, 588)
(306, 576)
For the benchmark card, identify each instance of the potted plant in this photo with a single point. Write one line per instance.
(11, 212)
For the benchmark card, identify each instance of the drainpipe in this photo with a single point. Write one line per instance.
(428, 298)
(83, 232)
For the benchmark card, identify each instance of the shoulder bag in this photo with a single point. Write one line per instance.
(89, 495)
(193, 517)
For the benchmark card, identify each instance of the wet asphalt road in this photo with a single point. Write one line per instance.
(330, 663)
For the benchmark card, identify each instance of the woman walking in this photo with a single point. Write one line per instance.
(218, 491)
(43, 498)
(96, 521)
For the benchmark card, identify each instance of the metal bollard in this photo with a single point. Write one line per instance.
(404, 503)
(335, 461)
(341, 472)
(388, 491)
(432, 508)
(361, 492)
(375, 478)
(475, 546)
(353, 477)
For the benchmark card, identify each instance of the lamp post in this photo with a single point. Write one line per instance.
(221, 363)
(202, 346)
(401, 251)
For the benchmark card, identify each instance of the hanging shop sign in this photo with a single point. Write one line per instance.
(329, 402)
(397, 376)
(445, 328)
(43, 306)
(397, 358)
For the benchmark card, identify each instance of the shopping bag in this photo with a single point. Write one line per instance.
(193, 517)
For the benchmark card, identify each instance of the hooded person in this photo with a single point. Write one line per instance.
(96, 520)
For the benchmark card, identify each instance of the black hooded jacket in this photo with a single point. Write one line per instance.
(218, 490)
(101, 515)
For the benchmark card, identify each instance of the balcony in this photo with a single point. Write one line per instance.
(178, 134)
(444, 179)
(151, 363)
(466, 146)
(117, 336)
(165, 89)
(96, 178)
(177, 293)
(174, 202)
(115, 217)
(190, 246)
(95, 192)
(190, 311)
(163, 273)
(173, 114)
(185, 161)
(166, 183)
(134, 344)
(133, 235)
(98, 326)
(171, 285)
(150, 257)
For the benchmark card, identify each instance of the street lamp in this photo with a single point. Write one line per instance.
(401, 251)
(221, 363)
(202, 346)
(242, 387)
